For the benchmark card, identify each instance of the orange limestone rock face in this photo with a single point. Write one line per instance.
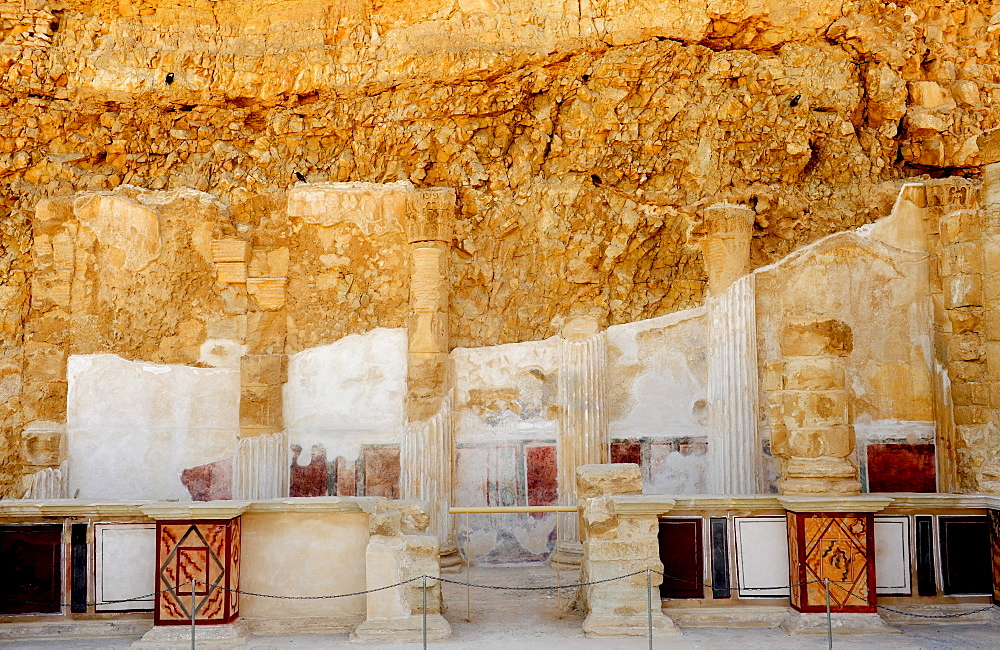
(149, 154)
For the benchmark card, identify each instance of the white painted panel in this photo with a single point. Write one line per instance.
(347, 394)
(133, 427)
(762, 556)
(892, 555)
(125, 566)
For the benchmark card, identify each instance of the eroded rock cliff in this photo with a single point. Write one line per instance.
(583, 137)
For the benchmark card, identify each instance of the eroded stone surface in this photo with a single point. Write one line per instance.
(582, 142)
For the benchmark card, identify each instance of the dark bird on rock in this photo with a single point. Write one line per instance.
(170, 78)
(301, 178)
(795, 100)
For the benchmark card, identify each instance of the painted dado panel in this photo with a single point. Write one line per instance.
(199, 555)
(683, 556)
(835, 548)
(892, 556)
(125, 566)
(966, 566)
(30, 569)
(761, 556)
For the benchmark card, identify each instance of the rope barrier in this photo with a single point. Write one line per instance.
(105, 602)
(710, 586)
(494, 587)
(354, 593)
(915, 615)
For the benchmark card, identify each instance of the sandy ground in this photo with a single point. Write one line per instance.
(531, 619)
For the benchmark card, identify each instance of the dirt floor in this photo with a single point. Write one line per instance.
(533, 619)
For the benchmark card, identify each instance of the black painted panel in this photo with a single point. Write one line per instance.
(720, 558)
(78, 566)
(965, 555)
(30, 569)
(683, 558)
(926, 582)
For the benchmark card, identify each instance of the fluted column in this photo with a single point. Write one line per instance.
(734, 451)
(427, 449)
(583, 429)
(733, 446)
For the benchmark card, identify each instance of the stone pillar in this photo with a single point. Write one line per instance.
(725, 245)
(46, 345)
(812, 433)
(833, 538)
(426, 471)
(197, 541)
(733, 447)
(398, 551)
(734, 451)
(619, 538)
(989, 148)
(583, 431)
(261, 466)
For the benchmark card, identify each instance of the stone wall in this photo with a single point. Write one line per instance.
(582, 139)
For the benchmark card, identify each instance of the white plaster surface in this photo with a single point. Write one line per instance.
(125, 565)
(347, 394)
(658, 372)
(892, 555)
(671, 472)
(505, 392)
(762, 556)
(505, 397)
(133, 427)
(303, 554)
(879, 291)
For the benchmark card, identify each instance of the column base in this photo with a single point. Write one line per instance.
(602, 625)
(402, 630)
(801, 623)
(232, 635)
(451, 559)
(569, 555)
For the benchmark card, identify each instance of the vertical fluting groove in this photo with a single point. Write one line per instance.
(425, 467)
(582, 420)
(733, 448)
(261, 467)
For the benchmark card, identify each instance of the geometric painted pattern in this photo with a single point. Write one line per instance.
(837, 547)
(206, 552)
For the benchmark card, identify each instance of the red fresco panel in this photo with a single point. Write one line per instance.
(897, 467)
(382, 471)
(626, 452)
(308, 480)
(543, 475)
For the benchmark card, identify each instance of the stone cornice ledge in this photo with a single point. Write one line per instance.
(847, 503)
(11, 508)
(937, 500)
(748, 502)
(161, 510)
(641, 504)
(991, 501)
(367, 505)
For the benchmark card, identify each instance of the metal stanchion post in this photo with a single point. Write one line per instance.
(192, 613)
(829, 622)
(558, 573)
(425, 611)
(649, 607)
(468, 571)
